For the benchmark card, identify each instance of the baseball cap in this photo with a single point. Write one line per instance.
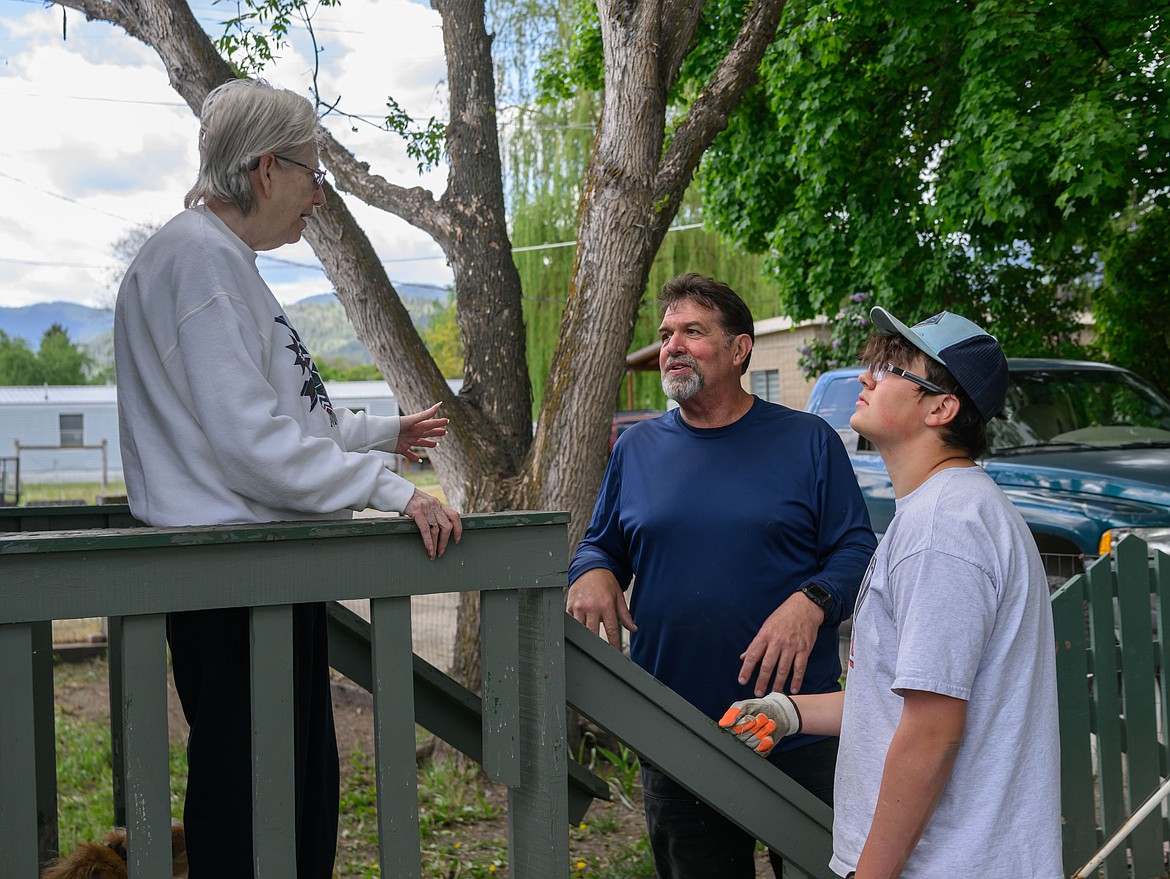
(969, 353)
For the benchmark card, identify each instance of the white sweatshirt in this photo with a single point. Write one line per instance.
(223, 416)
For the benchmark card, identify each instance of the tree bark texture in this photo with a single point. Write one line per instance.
(631, 192)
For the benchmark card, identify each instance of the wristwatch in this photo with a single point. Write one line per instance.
(818, 595)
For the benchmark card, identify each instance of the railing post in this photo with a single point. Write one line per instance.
(45, 733)
(18, 782)
(273, 755)
(397, 776)
(146, 762)
(538, 820)
(500, 661)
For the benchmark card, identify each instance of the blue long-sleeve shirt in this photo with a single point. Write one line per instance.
(720, 526)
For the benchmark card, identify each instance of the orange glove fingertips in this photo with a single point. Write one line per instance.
(729, 717)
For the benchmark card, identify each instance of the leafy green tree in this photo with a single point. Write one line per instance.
(60, 361)
(57, 362)
(18, 362)
(344, 371)
(944, 155)
(443, 340)
(1132, 309)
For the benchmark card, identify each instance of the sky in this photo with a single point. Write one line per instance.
(94, 142)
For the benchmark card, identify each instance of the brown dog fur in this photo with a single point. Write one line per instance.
(107, 859)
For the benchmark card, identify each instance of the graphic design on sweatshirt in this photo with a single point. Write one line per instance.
(314, 387)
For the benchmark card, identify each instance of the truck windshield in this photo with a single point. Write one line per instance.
(1079, 408)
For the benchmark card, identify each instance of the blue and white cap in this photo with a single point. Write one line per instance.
(969, 353)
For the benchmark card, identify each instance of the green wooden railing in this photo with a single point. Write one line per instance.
(1111, 649)
(136, 575)
(1110, 652)
(133, 575)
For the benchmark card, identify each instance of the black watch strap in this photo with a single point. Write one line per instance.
(818, 595)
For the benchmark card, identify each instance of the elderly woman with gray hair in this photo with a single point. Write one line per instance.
(224, 419)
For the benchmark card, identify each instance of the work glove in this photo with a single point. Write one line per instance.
(760, 723)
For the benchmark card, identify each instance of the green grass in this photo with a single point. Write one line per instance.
(88, 491)
(67, 491)
(85, 799)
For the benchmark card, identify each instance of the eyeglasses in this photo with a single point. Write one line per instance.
(881, 370)
(318, 174)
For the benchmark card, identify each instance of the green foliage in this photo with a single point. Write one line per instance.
(1133, 307)
(345, 371)
(254, 37)
(847, 338)
(61, 362)
(444, 341)
(943, 155)
(425, 144)
(18, 362)
(57, 362)
(624, 769)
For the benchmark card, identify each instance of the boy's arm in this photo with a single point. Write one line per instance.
(918, 766)
(761, 723)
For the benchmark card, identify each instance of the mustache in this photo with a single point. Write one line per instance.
(683, 360)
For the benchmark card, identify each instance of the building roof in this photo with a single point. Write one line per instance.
(98, 395)
(58, 395)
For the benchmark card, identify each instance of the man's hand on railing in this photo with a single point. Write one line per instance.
(596, 599)
(760, 723)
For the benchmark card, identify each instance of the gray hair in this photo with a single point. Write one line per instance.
(241, 121)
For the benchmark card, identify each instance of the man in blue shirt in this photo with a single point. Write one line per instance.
(744, 526)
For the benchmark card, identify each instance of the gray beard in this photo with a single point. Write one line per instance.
(682, 388)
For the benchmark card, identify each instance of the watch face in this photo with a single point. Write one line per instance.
(818, 594)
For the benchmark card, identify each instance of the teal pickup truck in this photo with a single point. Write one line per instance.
(1083, 452)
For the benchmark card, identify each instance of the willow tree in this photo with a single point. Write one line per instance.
(640, 164)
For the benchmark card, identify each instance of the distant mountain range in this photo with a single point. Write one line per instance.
(320, 320)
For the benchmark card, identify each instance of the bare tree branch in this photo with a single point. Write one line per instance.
(416, 205)
(680, 19)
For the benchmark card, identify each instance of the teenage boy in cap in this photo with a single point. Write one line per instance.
(949, 751)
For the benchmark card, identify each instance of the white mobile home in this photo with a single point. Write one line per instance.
(58, 431)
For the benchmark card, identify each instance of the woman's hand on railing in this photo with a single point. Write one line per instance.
(437, 522)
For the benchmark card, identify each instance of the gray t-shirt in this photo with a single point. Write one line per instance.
(956, 602)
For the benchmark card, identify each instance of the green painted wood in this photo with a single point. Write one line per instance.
(18, 781)
(44, 735)
(1139, 687)
(1080, 836)
(199, 568)
(34, 539)
(500, 661)
(538, 819)
(66, 518)
(441, 705)
(273, 789)
(1161, 586)
(146, 759)
(688, 746)
(117, 720)
(397, 777)
(1107, 707)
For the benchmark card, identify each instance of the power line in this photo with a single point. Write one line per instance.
(64, 198)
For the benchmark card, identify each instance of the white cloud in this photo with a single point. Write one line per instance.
(96, 142)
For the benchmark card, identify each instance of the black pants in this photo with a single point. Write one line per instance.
(209, 659)
(690, 840)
